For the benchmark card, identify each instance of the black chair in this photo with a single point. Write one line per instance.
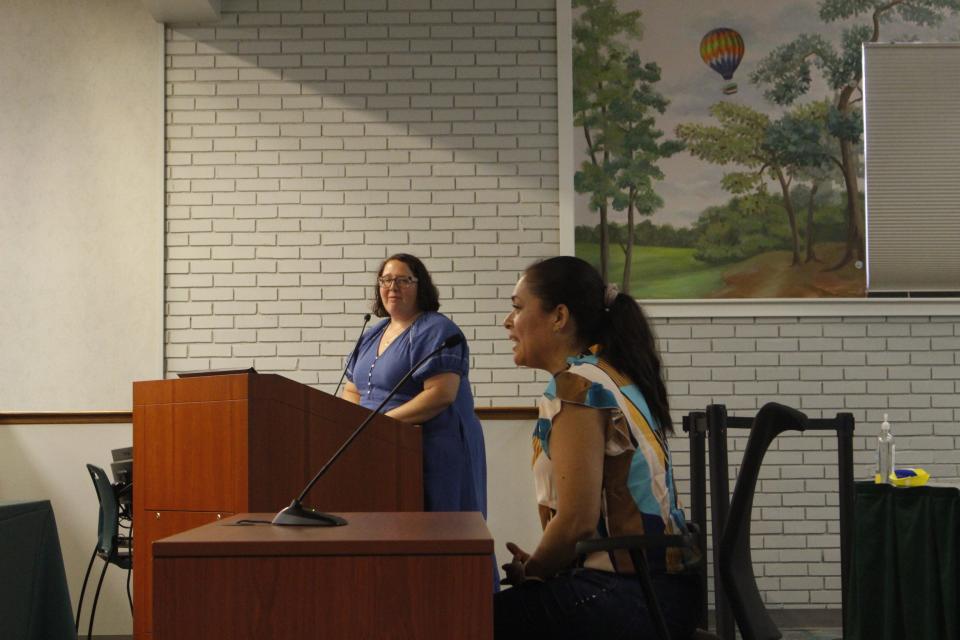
(112, 547)
(732, 544)
(636, 547)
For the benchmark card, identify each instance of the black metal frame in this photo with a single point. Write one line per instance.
(711, 426)
(695, 424)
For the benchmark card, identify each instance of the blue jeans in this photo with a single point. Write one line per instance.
(590, 604)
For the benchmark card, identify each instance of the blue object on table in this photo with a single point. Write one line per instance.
(34, 599)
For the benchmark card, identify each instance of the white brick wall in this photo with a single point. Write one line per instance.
(908, 368)
(306, 142)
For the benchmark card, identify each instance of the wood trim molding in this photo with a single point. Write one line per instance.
(507, 413)
(66, 417)
(126, 417)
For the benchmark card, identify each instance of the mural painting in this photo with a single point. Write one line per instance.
(718, 147)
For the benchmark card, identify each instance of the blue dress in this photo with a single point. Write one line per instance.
(454, 458)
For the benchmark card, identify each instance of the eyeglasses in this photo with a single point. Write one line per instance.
(403, 282)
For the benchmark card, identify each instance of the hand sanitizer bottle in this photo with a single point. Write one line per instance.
(885, 453)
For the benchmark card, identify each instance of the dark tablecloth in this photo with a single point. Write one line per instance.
(34, 600)
(906, 570)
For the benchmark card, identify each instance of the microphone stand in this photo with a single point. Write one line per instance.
(298, 515)
(366, 319)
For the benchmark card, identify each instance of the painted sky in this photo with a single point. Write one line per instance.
(671, 37)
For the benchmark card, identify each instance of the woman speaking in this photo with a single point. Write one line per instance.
(601, 464)
(437, 396)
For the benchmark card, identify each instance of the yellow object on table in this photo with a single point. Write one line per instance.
(906, 477)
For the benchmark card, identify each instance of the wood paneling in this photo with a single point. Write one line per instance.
(242, 442)
(384, 575)
(151, 526)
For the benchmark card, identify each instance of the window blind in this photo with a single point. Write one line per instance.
(912, 168)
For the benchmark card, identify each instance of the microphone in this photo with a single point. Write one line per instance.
(366, 319)
(298, 515)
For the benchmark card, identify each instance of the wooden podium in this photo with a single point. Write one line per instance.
(410, 576)
(208, 447)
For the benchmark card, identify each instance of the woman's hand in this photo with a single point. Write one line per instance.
(439, 392)
(514, 570)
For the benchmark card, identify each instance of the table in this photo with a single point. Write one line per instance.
(905, 581)
(34, 600)
(409, 575)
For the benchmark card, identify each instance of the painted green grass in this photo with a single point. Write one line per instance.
(659, 272)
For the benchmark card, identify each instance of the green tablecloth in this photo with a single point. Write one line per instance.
(34, 601)
(906, 569)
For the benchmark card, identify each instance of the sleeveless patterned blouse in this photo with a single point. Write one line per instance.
(638, 493)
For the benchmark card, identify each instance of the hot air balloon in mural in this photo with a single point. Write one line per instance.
(722, 49)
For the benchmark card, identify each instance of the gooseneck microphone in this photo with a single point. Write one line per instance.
(298, 515)
(366, 319)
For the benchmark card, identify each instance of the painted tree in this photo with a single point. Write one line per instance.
(615, 104)
(741, 138)
(786, 73)
(742, 227)
(802, 143)
(638, 148)
(600, 47)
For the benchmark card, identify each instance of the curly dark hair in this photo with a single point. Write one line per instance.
(621, 329)
(428, 298)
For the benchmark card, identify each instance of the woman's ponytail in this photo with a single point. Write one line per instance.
(631, 347)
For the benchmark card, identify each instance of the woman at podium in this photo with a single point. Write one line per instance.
(601, 465)
(437, 396)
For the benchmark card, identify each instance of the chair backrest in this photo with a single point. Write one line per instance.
(734, 562)
(108, 526)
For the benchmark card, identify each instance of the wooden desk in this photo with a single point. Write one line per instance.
(410, 575)
(212, 446)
